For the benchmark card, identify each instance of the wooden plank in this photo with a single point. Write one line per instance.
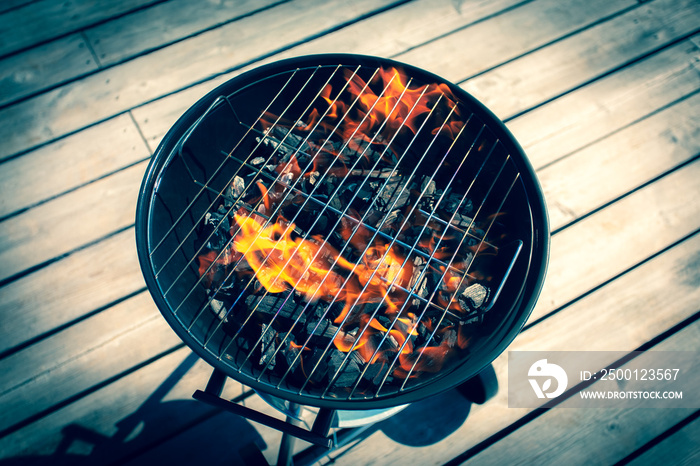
(156, 118)
(380, 35)
(69, 163)
(599, 247)
(10, 4)
(162, 24)
(619, 163)
(106, 426)
(402, 28)
(606, 105)
(69, 289)
(45, 66)
(680, 448)
(631, 302)
(464, 53)
(44, 20)
(117, 89)
(69, 222)
(554, 130)
(601, 436)
(82, 356)
(71, 343)
(546, 73)
(42, 67)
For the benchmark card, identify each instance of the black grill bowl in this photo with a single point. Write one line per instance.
(172, 203)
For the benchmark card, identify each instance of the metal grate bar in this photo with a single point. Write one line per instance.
(344, 213)
(345, 246)
(191, 129)
(434, 292)
(206, 186)
(421, 275)
(228, 213)
(437, 326)
(298, 212)
(369, 244)
(333, 228)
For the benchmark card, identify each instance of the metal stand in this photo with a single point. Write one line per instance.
(318, 435)
(478, 389)
(284, 457)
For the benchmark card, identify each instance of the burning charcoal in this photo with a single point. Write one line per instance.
(233, 317)
(290, 350)
(357, 146)
(376, 371)
(269, 141)
(236, 188)
(425, 331)
(449, 338)
(267, 346)
(313, 176)
(357, 358)
(473, 297)
(395, 194)
(286, 142)
(391, 222)
(324, 329)
(428, 190)
(216, 229)
(335, 203)
(349, 372)
(419, 289)
(218, 308)
(310, 362)
(281, 304)
(411, 235)
(381, 174)
(366, 193)
(462, 221)
(384, 320)
(257, 161)
(454, 203)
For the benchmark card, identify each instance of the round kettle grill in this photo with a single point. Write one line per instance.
(342, 231)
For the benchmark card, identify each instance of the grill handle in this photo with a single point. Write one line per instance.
(512, 249)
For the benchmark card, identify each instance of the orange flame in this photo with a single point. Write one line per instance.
(389, 98)
(315, 269)
(280, 262)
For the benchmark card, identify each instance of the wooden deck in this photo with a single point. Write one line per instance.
(604, 96)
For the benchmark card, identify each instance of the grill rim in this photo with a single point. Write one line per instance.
(530, 286)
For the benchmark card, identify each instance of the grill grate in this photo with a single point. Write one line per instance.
(256, 166)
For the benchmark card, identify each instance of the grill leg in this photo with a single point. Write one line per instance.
(284, 458)
(480, 388)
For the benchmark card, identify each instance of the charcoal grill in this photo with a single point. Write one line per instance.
(342, 231)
